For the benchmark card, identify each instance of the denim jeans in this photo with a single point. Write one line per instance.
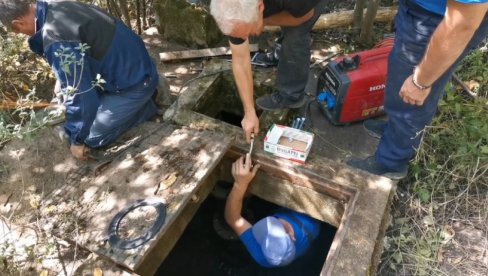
(406, 122)
(120, 111)
(294, 62)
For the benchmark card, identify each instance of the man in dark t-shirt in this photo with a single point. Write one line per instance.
(240, 19)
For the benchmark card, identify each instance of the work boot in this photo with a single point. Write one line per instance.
(161, 95)
(374, 127)
(372, 166)
(269, 59)
(275, 101)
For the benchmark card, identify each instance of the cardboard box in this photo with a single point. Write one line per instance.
(289, 143)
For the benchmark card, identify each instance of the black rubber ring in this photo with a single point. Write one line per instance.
(113, 228)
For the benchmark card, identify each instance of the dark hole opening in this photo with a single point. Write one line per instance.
(202, 251)
(229, 117)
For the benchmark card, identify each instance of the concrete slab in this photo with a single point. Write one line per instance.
(357, 200)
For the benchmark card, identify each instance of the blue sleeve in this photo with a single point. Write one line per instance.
(439, 6)
(82, 106)
(254, 248)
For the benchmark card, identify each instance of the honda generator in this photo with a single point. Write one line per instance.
(352, 88)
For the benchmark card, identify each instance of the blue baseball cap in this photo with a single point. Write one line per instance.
(277, 246)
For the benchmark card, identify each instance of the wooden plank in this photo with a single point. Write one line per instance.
(209, 52)
(285, 193)
(150, 264)
(170, 165)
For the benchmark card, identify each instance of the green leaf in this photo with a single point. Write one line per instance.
(397, 256)
(426, 252)
(424, 194)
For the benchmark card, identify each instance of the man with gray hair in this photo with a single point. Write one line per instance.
(240, 19)
(102, 66)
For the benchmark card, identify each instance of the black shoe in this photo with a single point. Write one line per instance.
(275, 101)
(374, 128)
(269, 59)
(370, 165)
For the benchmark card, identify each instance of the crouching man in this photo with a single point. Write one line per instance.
(105, 72)
(275, 240)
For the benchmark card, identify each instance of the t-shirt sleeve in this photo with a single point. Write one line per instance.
(236, 40)
(254, 248)
(299, 8)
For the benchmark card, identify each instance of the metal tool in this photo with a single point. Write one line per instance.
(259, 64)
(252, 144)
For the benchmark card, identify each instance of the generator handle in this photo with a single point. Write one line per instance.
(375, 54)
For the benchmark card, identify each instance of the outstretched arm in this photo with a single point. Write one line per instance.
(243, 173)
(447, 43)
(241, 67)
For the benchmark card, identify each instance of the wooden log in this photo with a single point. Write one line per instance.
(208, 52)
(6, 106)
(344, 19)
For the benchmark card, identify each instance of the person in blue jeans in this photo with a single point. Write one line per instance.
(432, 37)
(273, 241)
(95, 114)
(240, 19)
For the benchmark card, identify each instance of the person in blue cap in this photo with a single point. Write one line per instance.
(275, 240)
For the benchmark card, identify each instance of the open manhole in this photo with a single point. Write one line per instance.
(202, 250)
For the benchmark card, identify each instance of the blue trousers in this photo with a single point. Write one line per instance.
(294, 62)
(406, 122)
(119, 111)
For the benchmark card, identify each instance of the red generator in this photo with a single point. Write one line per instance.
(352, 88)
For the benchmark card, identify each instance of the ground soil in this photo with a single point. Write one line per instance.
(21, 193)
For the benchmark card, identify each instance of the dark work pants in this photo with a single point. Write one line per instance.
(120, 111)
(406, 122)
(294, 62)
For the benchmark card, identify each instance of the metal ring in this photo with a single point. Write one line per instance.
(115, 240)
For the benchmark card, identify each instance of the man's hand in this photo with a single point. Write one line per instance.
(80, 152)
(243, 172)
(411, 94)
(250, 124)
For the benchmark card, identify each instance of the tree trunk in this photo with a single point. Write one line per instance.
(138, 16)
(145, 24)
(125, 11)
(113, 9)
(367, 26)
(358, 14)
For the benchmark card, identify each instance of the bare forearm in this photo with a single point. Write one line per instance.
(448, 42)
(444, 48)
(233, 208)
(241, 68)
(286, 19)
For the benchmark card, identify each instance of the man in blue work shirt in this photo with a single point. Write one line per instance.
(96, 113)
(240, 19)
(432, 37)
(276, 240)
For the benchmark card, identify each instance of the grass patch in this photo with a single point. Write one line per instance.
(446, 190)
